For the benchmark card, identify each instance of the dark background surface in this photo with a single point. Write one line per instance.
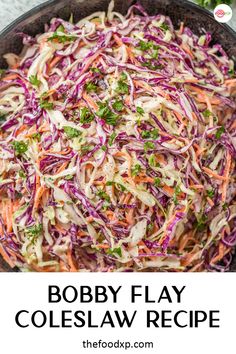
(179, 10)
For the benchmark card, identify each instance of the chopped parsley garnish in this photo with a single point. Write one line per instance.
(113, 251)
(33, 232)
(105, 113)
(90, 87)
(118, 106)
(148, 145)
(164, 26)
(152, 66)
(34, 80)
(155, 54)
(95, 70)
(112, 138)
(225, 206)
(177, 190)
(207, 113)
(157, 182)
(150, 226)
(103, 147)
(69, 177)
(86, 116)
(136, 170)
(20, 147)
(2, 117)
(2, 72)
(111, 183)
(150, 134)
(72, 132)
(176, 193)
(61, 29)
(22, 174)
(152, 160)
(103, 195)
(122, 188)
(219, 132)
(175, 199)
(45, 104)
(111, 119)
(145, 45)
(86, 148)
(201, 223)
(210, 193)
(58, 37)
(140, 110)
(123, 76)
(122, 86)
(103, 110)
(231, 72)
(36, 136)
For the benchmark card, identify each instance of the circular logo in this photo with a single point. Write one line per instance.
(223, 13)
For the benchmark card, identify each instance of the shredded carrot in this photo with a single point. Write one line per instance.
(226, 176)
(60, 228)
(197, 186)
(144, 179)
(9, 215)
(81, 234)
(203, 97)
(21, 129)
(38, 196)
(71, 262)
(223, 250)
(199, 150)
(89, 219)
(54, 62)
(102, 246)
(213, 174)
(187, 49)
(180, 118)
(233, 125)
(90, 101)
(90, 61)
(192, 80)
(144, 247)
(185, 239)
(129, 216)
(118, 40)
(188, 259)
(210, 201)
(62, 167)
(5, 256)
(229, 81)
(10, 77)
(181, 28)
(169, 190)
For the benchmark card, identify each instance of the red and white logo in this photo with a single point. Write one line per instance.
(220, 13)
(223, 13)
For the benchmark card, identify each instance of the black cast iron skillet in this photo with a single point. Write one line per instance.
(192, 15)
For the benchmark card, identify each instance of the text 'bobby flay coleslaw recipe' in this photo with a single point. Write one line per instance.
(85, 294)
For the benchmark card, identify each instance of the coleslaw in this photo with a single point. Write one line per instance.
(117, 148)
